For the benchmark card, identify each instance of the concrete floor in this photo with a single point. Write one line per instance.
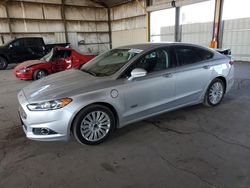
(193, 147)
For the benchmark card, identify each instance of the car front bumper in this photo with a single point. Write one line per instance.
(23, 76)
(35, 123)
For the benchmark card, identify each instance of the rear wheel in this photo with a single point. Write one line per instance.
(215, 93)
(3, 63)
(93, 124)
(38, 74)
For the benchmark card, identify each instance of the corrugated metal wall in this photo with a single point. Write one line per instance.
(128, 24)
(199, 33)
(85, 20)
(167, 33)
(236, 36)
(121, 38)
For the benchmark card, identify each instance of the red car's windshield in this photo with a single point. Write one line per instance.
(48, 56)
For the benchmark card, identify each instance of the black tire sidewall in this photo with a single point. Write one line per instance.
(36, 72)
(3, 60)
(207, 93)
(77, 123)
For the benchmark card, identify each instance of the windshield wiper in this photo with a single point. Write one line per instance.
(89, 72)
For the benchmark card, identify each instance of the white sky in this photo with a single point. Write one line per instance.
(198, 13)
(234, 9)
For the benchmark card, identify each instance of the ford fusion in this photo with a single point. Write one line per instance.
(122, 86)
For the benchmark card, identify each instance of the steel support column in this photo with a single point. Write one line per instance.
(177, 25)
(8, 18)
(110, 27)
(64, 20)
(215, 43)
(147, 19)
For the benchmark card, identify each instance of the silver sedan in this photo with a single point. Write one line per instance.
(122, 86)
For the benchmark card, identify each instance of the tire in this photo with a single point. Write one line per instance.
(38, 74)
(3, 63)
(214, 93)
(87, 124)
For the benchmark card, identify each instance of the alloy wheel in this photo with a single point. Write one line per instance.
(41, 74)
(95, 126)
(216, 92)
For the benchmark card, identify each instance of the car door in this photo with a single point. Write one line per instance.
(192, 73)
(18, 51)
(36, 47)
(66, 60)
(62, 60)
(56, 60)
(152, 93)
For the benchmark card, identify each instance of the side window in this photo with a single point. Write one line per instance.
(58, 54)
(204, 54)
(34, 42)
(61, 54)
(18, 43)
(188, 55)
(154, 61)
(67, 53)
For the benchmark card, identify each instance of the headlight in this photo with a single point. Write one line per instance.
(24, 70)
(49, 105)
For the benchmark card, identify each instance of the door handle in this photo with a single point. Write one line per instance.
(206, 67)
(168, 75)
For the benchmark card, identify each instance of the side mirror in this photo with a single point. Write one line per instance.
(137, 72)
(10, 46)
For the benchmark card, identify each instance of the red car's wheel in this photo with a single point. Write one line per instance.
(38, 74)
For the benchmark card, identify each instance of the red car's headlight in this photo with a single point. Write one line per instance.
(24, 70)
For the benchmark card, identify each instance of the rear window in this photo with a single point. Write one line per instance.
(34, 42)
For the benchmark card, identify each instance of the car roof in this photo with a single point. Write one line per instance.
(153, 45)
(28, 38)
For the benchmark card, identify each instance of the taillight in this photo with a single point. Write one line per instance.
(231, 62)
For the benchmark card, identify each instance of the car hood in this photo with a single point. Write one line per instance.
(64, 84)
(29, 63)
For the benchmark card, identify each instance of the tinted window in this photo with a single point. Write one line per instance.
(61, 54)
(18, 43)
(204, 54)
(34, 42)
(154, 61)
(67, 53)
(188, 55)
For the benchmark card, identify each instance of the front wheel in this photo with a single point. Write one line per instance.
(38, 74)
(3, 63)
(215, 93)
(93, 124)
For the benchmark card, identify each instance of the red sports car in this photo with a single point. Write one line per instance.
(58, 59)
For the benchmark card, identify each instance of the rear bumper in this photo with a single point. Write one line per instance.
(230, 79)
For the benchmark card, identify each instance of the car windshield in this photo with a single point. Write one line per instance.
(48, 56)
(110, 62)
(7, 44)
